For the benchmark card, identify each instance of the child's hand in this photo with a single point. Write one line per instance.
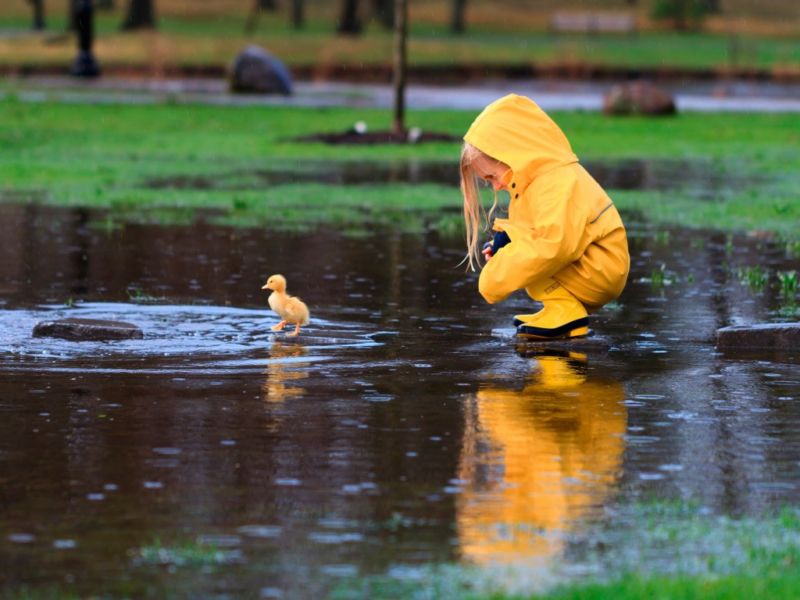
(487, 251)
(489, 248)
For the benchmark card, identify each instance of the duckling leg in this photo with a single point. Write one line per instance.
(296, 331)
(279, 326)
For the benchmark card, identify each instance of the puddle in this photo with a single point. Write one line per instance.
(632, 174)
(404, 427)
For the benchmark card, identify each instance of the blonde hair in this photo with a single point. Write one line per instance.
(474, 212)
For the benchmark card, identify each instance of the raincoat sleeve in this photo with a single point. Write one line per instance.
(538, 251)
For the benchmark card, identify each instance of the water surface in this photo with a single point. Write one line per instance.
(405, 426)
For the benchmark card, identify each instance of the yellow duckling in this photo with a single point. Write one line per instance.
(289, 309)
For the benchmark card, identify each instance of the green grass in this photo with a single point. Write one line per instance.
(207, 41)
(187, 554)
(656, 550)
(106, 156)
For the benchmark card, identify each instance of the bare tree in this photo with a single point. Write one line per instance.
(298, 17)
(141, 15)
(38, 14)
(71, 8)
(384, 11)
(458, 20)
(349, 23)
(399, 64)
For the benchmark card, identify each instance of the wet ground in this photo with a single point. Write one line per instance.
(405, 426)
(702, 178)
(550, 93)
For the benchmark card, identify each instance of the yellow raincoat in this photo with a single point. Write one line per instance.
(561, 223)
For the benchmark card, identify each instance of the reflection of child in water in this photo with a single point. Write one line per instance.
(537, 461)
(563, 241)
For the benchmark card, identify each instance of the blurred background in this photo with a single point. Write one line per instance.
(448, 40)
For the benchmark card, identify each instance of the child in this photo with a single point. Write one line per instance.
(563, 241)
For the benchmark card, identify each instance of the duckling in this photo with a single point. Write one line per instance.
(289, 309)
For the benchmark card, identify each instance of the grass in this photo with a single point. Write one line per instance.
(503, 33)
(187, 554)
(178, 44)
(107, 156)
(656, 550)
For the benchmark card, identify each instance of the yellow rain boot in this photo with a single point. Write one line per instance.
(562, 316)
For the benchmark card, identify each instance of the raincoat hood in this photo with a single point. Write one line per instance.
(517, 132)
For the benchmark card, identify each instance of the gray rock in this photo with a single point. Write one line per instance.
(87, 330)
(772, 336)
(638, 98)
(256, 71)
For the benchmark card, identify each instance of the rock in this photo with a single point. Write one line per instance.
(638, 98)
(771, 336)
(87, 330)
(256, 71)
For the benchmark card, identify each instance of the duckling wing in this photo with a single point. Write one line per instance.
(296, 311)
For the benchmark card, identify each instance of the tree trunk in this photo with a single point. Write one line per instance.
(384, 10)
(38, 14)
(252, 18)
(458, 22)
(71, 24)
(141, 15)
(349, 24)
(399, 64)
(298, 18)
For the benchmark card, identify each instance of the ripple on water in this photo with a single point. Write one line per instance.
(176, 338)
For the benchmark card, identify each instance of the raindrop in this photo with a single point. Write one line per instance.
(334, 538)
(259, 531)
(378, 398)
(167, 451)
(670, 467)
(219, 540)
(287, 481)
(339, 570)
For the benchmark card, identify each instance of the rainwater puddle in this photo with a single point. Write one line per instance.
(705, 178)
(404, 427)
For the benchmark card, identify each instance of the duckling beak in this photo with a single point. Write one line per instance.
(265, 287)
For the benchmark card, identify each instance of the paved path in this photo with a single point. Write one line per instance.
(551, 95)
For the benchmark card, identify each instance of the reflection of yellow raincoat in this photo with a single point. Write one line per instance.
(560, 221)
(536, 461)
